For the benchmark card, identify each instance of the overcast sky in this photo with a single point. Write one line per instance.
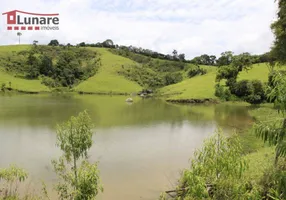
(193, 27)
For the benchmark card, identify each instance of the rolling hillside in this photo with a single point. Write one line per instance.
(107, 80)
(203, 86)
(22, 84)
(19, 83)
(196, 88)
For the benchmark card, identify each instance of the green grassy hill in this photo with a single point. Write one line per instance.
(107, 80)
(195, 88)
(19, 83)
(22, 84)
(258, 71)
(10, 48)
(203, 86)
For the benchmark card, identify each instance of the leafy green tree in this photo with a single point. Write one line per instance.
(33, 64)
(212, 60)
(225, 59)
(274, 133)
(35, 42)
(182, 57)
(242, 61)
(46, 66)
(82, 44)
(175, 54)
(279, 30)
(67, 69)
(230, 72)
(250, 91)
(74, 138)
(108, 43)
(204, 60)
(54, 43)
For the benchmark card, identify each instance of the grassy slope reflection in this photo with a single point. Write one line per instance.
(106, 111)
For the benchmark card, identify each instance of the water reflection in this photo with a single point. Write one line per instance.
(141, 147)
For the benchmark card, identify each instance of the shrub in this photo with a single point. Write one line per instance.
(196, 71)
(49, 82)
(144, 76)
(252, 91)
(243, 88)
(172, 78)
(222, 92)
(273, 182)
(272, 75)
(253, 99)
(11, 177)
(227, 94)
(217, 172)
(259, 89)
(3, 87)
(219, 90)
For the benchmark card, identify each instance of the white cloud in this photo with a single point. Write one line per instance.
(193, 27)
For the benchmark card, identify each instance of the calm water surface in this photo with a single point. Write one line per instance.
(141, 147)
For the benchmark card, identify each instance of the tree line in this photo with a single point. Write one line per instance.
(225, 58)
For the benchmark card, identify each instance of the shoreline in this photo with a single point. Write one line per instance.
(175, 101)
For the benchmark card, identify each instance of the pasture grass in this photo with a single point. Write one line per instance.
(204, 86)
(107, 80)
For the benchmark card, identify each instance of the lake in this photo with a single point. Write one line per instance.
(141, 147)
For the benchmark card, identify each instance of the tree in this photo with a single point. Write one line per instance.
(108, 43)
(230, 72)
(182, 57)
(82, 44)
(279, 30)
(74, 138)
(46, 66)
(204, 60)
(175, 54)
(33, 65)
(225, 59)
(35, 42)
(69, 45)
(19, 34)
(212, 60)
(54, 43)
(275, 133)
(67, 69)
